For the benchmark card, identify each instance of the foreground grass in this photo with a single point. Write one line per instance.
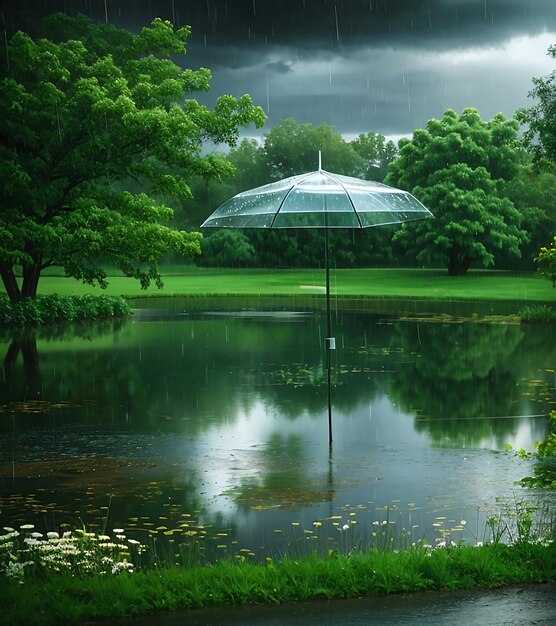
(62, 599)
(394, 283)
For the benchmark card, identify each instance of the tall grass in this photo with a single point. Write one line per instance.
(65, 599)
(81, 576)
(539, 314)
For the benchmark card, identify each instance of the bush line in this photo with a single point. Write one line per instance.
(56, 309)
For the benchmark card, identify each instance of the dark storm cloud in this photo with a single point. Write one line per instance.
(312, 26)
(359, 65)
(279, 67)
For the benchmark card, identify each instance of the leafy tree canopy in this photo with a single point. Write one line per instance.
(456, 167)
(291, 148)
(85, 113)
(227, 247)
(532, 191)
(377, 153)
(541, 118)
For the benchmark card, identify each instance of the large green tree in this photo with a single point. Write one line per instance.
(85, 112)
(532, 190)
(541, 118)
(457, 167)
(291, 148)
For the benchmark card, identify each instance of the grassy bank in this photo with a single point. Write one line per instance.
(62, 599)
(395, 283)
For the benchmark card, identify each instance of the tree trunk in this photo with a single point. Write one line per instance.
(458, 263)
(31, 275)
(10, 284)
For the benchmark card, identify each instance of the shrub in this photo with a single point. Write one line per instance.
(55, 309)
(539, 313)
(227, 248)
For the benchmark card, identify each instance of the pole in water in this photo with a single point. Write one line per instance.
(330, 341)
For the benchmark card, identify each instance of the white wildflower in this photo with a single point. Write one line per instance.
(31, 541)
(122, 566)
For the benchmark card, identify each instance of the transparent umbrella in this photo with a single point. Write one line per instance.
(319, 200)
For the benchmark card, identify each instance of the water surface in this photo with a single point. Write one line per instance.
(205, 422)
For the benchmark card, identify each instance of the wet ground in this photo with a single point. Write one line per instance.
(512, 606)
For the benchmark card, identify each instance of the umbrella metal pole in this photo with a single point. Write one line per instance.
(330, 342)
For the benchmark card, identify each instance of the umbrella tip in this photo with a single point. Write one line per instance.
(320, 161)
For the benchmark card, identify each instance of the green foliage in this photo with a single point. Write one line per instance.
(546, 261)
(456, 167)
(291, 148)
(377, 152)
(227, 248)
(55, 309)
(251, 166)
(541, 118)
(537, 313)
(86, 112)
(544, 473)
(532, 191)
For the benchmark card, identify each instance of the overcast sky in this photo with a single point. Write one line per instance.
(358, 65)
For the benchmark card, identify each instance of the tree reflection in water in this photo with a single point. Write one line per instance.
(224, 415)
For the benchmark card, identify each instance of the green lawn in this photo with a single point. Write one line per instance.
(401, 283)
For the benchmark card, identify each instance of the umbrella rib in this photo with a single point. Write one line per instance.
(286, 197)
(348, 197)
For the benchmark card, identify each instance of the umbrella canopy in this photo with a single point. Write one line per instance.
(318, 200)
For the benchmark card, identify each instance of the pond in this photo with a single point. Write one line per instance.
(207, 420)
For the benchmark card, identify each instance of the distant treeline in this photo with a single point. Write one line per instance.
(520, 197)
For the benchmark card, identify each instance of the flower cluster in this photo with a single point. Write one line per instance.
(76, 552)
